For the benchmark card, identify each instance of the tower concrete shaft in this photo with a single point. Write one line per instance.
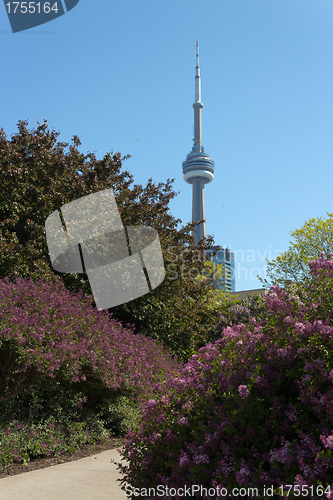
(198, 168)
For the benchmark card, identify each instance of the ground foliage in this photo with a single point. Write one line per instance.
(86, 450)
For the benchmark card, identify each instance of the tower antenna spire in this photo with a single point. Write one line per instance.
(197, 105)
(198, 168)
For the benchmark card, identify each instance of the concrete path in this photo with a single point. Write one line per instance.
(90, 478)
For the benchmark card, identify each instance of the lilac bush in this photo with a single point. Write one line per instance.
(54, 332)
(252, 408)
(61, 358)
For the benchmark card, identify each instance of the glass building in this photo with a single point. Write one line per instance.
(225, 277)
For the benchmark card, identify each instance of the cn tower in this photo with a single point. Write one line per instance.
(198, 168)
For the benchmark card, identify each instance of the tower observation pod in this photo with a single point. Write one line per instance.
(198, 168)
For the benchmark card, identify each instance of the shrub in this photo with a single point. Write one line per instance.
(253, 408)
(62, 359)
(22, 442)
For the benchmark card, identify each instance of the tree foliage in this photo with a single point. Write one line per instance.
(314, 237)
(39, 174)
(216, 296)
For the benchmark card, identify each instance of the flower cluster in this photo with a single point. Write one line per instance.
(322, 266)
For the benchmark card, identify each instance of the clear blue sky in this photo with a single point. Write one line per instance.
(115, 71)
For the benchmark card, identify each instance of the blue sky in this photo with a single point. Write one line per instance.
(113, 72)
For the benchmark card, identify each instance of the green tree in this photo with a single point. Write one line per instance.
(216, 296)
(38, 175)
(312, 239)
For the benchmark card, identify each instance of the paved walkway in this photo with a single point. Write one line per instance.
(90, 478)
